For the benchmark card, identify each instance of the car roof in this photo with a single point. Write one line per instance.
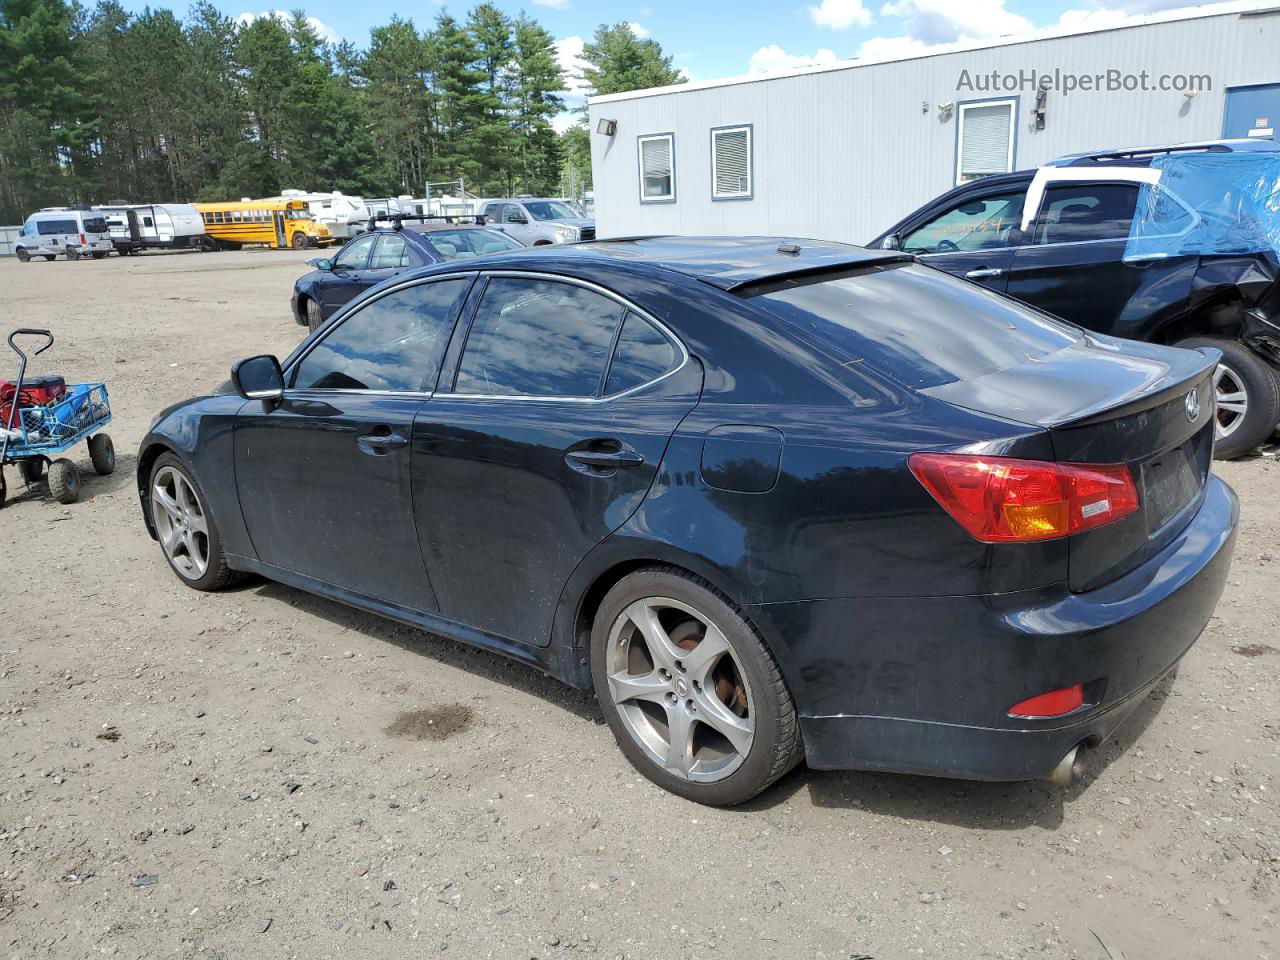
(1144, 155)
(729, 263)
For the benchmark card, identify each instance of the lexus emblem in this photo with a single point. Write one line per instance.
(1192, 405)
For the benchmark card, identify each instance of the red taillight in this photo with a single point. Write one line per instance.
(1002, 500)
(1052, 704)
(83, 242)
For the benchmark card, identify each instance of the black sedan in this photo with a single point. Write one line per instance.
(772, 499)
(403, 243)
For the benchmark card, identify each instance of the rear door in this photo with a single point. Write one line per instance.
(345, 280)
(324, 475)
(547, 442)
(1073, 265)
(971, 238)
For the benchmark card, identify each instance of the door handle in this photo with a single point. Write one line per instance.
(983, 272)
(381, 442)
(604, 459)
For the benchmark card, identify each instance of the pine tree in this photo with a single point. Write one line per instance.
(619, 61)
(399, 106)
(535, 80)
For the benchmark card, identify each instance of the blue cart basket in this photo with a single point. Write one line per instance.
(34, 436)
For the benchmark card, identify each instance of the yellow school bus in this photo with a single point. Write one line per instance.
(276, 223)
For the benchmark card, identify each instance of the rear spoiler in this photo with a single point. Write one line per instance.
(755, 286)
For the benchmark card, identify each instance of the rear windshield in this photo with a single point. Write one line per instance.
(918, 325)
(95, 224)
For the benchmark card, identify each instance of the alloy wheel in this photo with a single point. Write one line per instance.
(181, 523)
(680, 689)
(1231, 401)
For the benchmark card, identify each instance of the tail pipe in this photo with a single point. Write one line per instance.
(1070, 769)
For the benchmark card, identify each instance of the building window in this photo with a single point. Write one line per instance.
(657, 168)
(984, 139)
(731, 163)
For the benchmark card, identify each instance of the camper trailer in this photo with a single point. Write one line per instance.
(138, 226)
(344, 216)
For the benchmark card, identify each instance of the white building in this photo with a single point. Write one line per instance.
(842, 152)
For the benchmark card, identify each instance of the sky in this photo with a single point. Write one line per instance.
(712, 39)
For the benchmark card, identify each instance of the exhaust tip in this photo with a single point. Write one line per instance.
(1070, 769)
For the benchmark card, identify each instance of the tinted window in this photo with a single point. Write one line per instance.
(460, 244)
(96, 225)
(538, 338)
(918, 325)
(1083, 211)
(392, 252)
(643, 354)
(49, 228)
(393, 343)
(982, 224)
(355, 254)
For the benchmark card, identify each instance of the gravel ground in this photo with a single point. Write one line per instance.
(261, 773)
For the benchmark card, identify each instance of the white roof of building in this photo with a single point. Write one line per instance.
(1236, 7)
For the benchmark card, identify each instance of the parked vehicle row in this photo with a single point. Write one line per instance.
(771, 499)
(1173, 246)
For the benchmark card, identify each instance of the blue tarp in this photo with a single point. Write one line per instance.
(1206, 204)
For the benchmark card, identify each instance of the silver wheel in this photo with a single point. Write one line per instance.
(1231, 401)
(181, 523)
(680, 689)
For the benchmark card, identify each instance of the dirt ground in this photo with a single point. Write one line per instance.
(261, 773)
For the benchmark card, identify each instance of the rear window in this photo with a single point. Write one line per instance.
(97, 224)
(918, 325)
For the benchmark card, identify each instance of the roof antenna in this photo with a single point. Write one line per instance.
(790, 248)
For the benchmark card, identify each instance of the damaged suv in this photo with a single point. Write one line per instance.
(1176, 245)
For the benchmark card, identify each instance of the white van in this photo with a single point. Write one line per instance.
(55, 230)
(136, 226)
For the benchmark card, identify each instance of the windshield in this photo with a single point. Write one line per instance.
(298, 215)
(462, 244)
(549, 210)
(916, 324)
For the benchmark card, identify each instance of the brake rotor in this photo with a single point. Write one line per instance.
(729, 688)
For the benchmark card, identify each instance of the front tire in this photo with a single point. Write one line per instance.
(694, 698)
(187, 532)
(64, 481)
(315, 316)
(300, 241)
(103, 454)
(22, 255)
(1247, 395)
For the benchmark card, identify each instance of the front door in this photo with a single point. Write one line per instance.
(324, 476)
(971, 238)
(1252, 112)
(282, 231)
(535, 456)
(346, 280)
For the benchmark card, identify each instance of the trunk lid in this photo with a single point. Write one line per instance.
(1104, 400)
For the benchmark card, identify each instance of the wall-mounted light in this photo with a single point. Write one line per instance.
(606, 127)
(1042, 98)
(944, 111)
(924, 106)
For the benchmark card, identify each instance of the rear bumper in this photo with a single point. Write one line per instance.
(922, 685)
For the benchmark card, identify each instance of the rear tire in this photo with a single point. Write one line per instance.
(64, 481)
(98, 255)
(22, 255)
(4, 489)
(1247, 393)
(731, 708)
(103, 454)
(73, 253)
(315, 316)
(31, 470)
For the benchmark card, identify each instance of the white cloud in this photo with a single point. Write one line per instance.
(569, 56)
(773, 58)
(562, 122)
(840, 14)
(888, 48)
(1092, 19)
(639, 29)
(553, 4)
(943, 21)
(325, 32)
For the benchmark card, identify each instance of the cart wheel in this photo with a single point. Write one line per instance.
(31, 470)
(103, 453)
(64, 480)
(3, 489)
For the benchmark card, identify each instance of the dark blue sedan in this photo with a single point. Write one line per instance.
(771, 499)
(381, 253)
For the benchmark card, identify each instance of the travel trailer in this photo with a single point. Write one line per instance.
(137, 226)
(344, 216)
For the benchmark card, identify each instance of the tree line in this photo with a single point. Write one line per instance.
(99, 105)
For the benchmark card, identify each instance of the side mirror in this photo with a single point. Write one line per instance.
(481, 220)
(258, 378)
(320, 263)
(890, 242)
(518, 219)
